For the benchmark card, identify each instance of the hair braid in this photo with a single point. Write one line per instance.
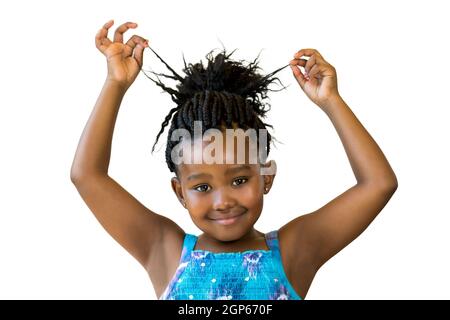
(225, 93)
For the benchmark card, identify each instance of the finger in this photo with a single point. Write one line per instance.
(132, 42)
(101, 38)
(138, 54)
(314, 70)
(311, 62)
(118, 35)
(298, 62)
(307, 52)
(298, 75)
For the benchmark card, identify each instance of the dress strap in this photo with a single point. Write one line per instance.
(272, 241)
(188, 245)
(274, 246)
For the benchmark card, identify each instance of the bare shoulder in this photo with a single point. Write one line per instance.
(294, 240)
(297, 255)
(166, 255)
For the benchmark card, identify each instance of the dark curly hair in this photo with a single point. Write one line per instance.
(223, 93)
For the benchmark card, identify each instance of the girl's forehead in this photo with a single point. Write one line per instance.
(219, 149)
(190, 171)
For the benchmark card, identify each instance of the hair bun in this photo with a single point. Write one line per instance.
(224, 92)
(220, 74)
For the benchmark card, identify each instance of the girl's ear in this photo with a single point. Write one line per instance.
(269, 170)
(176, 187)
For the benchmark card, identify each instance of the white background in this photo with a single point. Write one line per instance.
(392, 60)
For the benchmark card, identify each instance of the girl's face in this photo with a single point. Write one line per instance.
(223, 200)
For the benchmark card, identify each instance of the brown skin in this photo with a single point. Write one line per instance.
(224, 190)
(306, 242)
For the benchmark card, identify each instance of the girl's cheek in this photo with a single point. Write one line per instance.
(198, 201)
(249, 195)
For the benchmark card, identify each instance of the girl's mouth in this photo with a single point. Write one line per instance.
(228, 221)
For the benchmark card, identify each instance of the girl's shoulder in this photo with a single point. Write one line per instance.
(297, 255)
(165, 261)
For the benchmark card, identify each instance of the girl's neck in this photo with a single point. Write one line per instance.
(252, 240)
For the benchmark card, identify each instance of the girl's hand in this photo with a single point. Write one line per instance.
(319, 81)
(123, 63)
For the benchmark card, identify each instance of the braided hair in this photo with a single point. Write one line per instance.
(224, 93)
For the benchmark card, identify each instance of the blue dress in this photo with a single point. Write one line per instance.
(248, 275)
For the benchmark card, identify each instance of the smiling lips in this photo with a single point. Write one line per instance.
(228, 220)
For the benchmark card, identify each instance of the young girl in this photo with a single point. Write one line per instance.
(230, 259)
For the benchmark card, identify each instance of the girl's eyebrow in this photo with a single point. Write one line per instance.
(237, 169)
(198, 175)
(227, 171)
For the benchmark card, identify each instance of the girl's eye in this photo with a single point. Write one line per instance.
(202, 188)
(239, 181)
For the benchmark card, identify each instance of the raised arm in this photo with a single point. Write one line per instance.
(330, 228)
(140, 231)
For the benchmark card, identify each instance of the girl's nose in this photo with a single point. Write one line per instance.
(223, 200)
